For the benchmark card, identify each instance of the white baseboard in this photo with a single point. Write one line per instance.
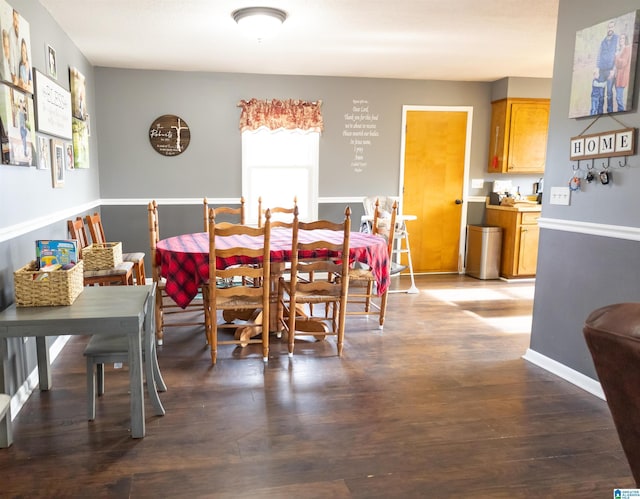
(580, 380)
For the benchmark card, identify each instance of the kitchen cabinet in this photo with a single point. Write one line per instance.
(520, 235)
(518, 141)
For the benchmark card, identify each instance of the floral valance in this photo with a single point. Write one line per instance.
(275, 114)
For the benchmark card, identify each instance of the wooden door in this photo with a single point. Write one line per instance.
(435, 161)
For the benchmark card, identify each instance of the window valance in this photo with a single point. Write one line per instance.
(275, 114)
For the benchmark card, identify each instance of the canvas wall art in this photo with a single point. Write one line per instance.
(78, 94)
(15, 56)
(80, 144)
(17, 127)
(604, 63)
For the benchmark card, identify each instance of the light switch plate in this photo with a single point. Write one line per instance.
(560, 195)
(477, 183)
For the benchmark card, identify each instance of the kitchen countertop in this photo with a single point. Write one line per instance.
(519, 206)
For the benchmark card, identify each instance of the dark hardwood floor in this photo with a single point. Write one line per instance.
(439, 404)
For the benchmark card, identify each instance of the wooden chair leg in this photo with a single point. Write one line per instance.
(213, 339)
(383, 308)
(138, 267)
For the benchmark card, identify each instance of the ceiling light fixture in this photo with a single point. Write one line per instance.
(259, 22)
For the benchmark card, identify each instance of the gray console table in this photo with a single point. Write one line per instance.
(108, 310)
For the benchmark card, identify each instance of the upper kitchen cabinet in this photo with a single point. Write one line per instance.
(518, 142)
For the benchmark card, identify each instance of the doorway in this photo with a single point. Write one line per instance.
(434, 170)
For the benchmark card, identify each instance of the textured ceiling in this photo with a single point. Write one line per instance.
(468, 40)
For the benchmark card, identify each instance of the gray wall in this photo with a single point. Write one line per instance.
(129, 100)
(588, 254)
(132, 172)
(30, 208)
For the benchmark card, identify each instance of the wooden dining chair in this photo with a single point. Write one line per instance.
(238, 287)
(330, 291)
(96, 229)
(362, 291)
(280, 216)
(105, 349)
(167, 312)
(120, 274)
(232, 215)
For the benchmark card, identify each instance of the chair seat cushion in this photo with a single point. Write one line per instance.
(133, 257)
(123, 268)
(101, 344)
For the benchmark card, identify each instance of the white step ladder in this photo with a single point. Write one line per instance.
(402, 245)
(401, 242)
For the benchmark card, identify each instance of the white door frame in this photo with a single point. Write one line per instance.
(467, 161)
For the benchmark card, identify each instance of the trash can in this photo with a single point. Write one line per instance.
(484, 244)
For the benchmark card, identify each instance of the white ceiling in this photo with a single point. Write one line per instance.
(467, 40)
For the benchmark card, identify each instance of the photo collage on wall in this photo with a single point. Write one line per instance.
(32, 101)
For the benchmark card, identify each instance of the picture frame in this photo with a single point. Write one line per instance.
(77, 84)
(604, 66)
(15, 68)
(43, 152)
(57, 164)
(68, 156)
(52, 64)
(53, 107)
(17, 129)
(80, 144)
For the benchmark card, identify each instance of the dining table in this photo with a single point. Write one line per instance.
(103, 310)
(184, 259)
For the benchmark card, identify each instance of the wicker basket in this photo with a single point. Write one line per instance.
(102, 256)
(58, 287)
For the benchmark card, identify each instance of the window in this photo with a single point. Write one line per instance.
(279, 165)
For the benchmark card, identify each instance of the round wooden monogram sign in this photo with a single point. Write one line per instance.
(169, 135)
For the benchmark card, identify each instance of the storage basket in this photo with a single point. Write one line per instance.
(34, 288)
(102, 256)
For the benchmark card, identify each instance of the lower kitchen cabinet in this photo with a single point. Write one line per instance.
(520, 235)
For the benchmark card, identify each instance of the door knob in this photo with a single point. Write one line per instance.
(458, 201)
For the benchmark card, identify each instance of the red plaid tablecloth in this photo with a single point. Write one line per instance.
(184, 260)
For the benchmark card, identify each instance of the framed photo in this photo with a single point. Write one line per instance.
(52, 65)
(57, 163)
(78, 94)
(44, 152)
(68, 156)
(53, 107)
(16, 68)
(80, 145)
(17, 135)
(604, 66)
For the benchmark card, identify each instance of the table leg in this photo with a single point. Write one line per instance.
(44, 371)
(136, 385)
